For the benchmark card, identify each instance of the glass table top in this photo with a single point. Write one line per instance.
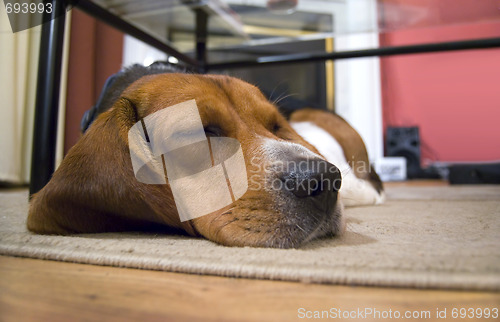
(243, 23)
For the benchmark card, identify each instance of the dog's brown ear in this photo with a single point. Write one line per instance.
(95, 190)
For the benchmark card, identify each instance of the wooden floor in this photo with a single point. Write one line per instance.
(37, 290)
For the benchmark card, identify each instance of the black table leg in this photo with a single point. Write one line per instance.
(201, 39)
(47, 98)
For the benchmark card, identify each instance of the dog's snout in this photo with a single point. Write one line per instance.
(316, 179)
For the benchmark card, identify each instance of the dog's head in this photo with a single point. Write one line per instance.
(292, 191)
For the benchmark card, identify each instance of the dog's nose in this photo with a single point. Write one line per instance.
(317, 179)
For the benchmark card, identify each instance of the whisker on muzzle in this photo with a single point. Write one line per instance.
(215, 218)
(280, 98)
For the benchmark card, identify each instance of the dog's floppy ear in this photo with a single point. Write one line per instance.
(94, 189)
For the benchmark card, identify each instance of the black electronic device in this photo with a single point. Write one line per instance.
(405, 142)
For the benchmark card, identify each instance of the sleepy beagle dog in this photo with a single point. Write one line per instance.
(95, 189)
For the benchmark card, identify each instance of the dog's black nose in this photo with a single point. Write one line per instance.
(316, 179)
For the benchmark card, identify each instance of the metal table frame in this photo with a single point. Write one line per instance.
(50, 60)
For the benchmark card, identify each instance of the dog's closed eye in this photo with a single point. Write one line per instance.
(213, 131)
(282, 132)
(276, 128)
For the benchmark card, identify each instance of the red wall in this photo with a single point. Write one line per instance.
(453, 97)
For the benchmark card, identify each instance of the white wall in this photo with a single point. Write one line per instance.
(358, 90)
(137, 52)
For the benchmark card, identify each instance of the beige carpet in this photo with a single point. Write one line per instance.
(424, 237)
